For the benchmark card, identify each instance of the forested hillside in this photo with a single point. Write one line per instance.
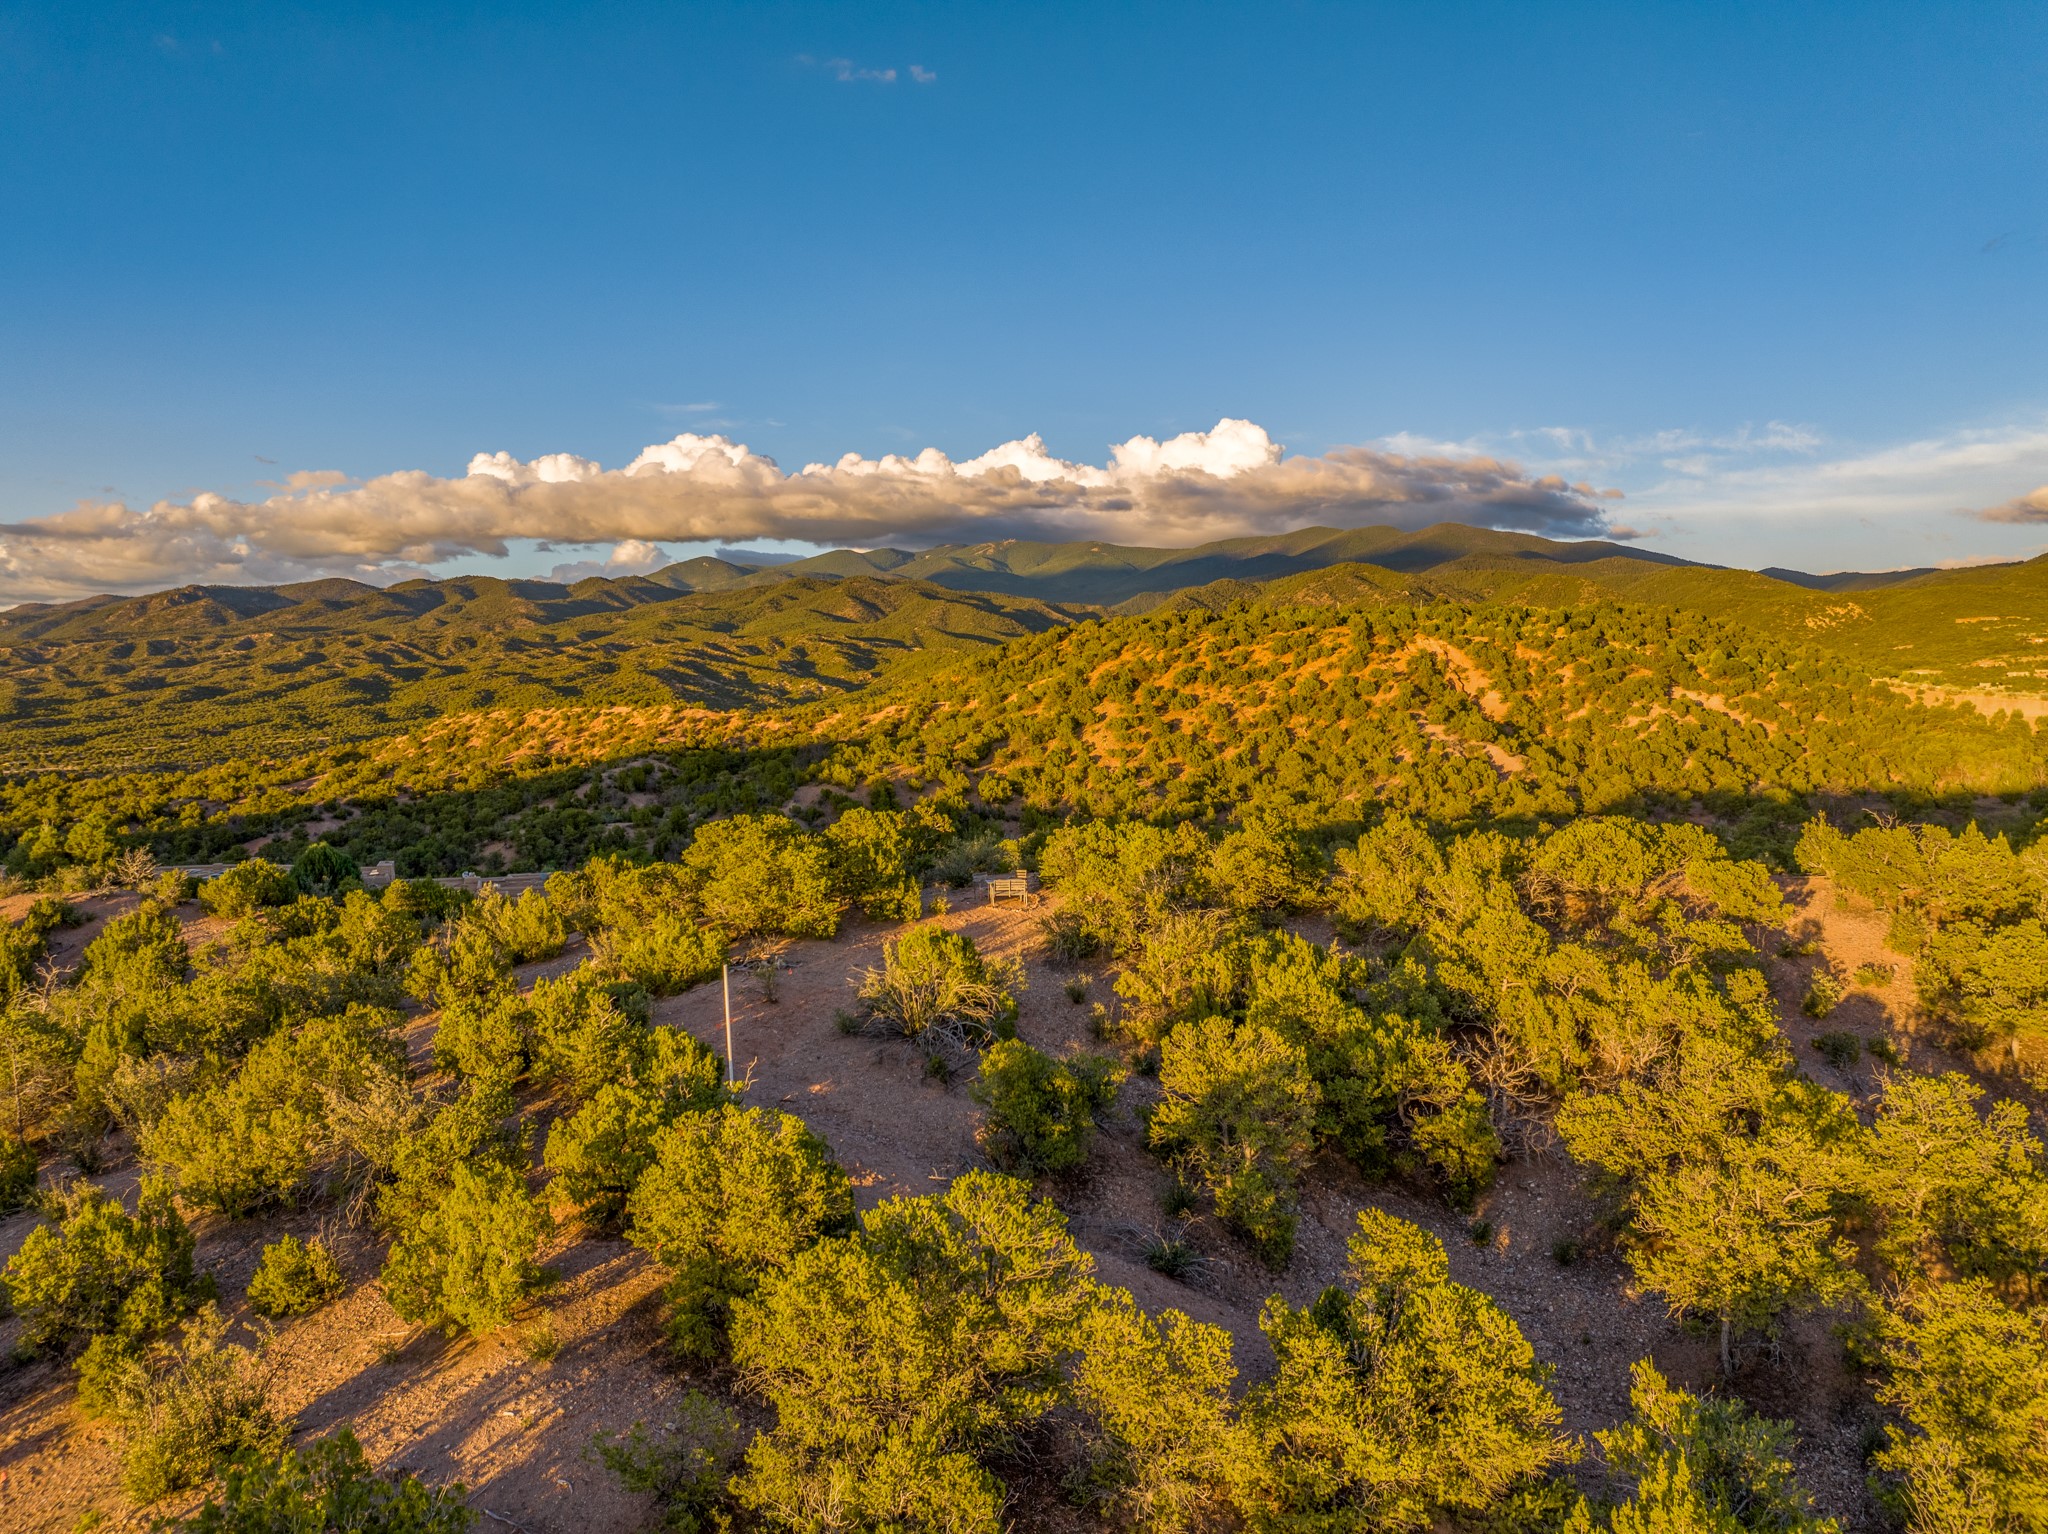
(1499, 1059)
(206, 672)
(187, 676)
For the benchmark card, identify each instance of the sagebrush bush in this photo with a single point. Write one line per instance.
(936, 988)
(185, 1409)
(1041, 1112)
(329, 1485)
(294, 1278)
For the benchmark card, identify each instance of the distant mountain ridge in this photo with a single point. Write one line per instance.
(204, 669)
(1105, 574)
(1091, 573)
(199, 667)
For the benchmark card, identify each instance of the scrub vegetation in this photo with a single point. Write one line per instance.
(1378, 900)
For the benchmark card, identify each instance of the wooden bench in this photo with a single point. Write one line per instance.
(1023, 886)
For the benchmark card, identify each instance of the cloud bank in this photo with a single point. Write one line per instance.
(2028, 508)
(1230, 481)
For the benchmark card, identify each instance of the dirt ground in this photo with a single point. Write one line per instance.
(511, 1416)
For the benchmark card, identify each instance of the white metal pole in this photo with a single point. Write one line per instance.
(725, 980)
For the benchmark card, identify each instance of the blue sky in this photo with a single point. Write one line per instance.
(1779, 274)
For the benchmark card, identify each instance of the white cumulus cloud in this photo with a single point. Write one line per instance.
(1230, 481)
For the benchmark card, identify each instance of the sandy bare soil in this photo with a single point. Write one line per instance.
(513, 1423)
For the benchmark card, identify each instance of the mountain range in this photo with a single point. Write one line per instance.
(208, 668)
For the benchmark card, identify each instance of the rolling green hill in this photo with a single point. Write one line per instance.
(206, 672)
(1976, 628)
(1979, 629)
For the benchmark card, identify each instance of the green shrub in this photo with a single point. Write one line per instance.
(1379, 883)
(608, 891)
(423, 902)
(1166, 1450)
(1969, 1375)
(871, 855)
(732, 1195)
(485, 1038)
(419, 1148)
(934, 987)
(17, 1173)
(185, 1409)
(525, 930)
(256, 1138)
(1401, 1397)
(323, 869)
(1071, 936)
(1700, 1463)
(761, 873)
(1117, 877)
(1264, 868)
(1875, 976)
(98, 1270)
(248, 888)
(666, 954)
(294, 1278)
(141, 953)
(598, 1153)
(583, 1037)
(685, 1470)
(1824, 993)
(1239, 1114)
(896, 1357)
(1989, 986)
(1839, 1047)
(329, 1485)
(464, 965)
(1187, 965)
(1460, 1144)
(1041, 1111)
(173, 888)
(963, 857)
(466, 1264)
